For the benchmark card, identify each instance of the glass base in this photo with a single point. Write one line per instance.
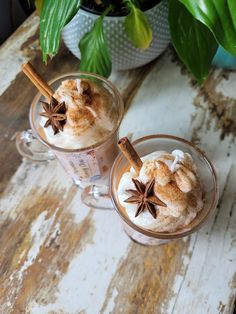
(97, 197)
(142, 239)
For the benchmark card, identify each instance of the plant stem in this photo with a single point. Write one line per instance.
(130, 3)
(107, 10)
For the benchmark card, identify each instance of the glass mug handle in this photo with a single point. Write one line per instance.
(30, 147)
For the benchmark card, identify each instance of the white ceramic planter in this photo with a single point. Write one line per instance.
(123, 54)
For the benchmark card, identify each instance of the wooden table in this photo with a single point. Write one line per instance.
(57, 256)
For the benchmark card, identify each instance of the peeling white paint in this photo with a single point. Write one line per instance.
(160, 96)
(39, 233)
(211, 267)
(111, 302)
(78, 209)
(11, 56)
(121, 79)
(225, 87)
(56, 231)
(90, 272)
(29, 177)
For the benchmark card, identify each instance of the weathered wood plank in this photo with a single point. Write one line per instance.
(11, 53)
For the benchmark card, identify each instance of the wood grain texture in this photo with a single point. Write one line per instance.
(16, 99)
(143, 279)
(42, 237)
(57, 256)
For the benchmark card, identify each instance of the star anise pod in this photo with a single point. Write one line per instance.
(55, 113)
(144, 197)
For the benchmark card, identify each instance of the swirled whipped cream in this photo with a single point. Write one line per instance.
(89, 115)
(176, 184)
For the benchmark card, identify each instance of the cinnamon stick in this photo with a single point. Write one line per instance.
(37, 80)
(130, 153)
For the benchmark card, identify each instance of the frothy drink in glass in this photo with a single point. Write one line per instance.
(167, 190)
(79, 124)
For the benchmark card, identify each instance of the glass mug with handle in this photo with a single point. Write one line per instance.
(88, 167)
(206, 174)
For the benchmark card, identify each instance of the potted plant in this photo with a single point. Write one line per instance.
(197, 28)
(129, 37)
(106, 34)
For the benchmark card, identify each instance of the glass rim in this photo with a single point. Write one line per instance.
(98, 144)
(178, 233)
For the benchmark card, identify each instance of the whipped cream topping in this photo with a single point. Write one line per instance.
(176, 184)
(89, 117)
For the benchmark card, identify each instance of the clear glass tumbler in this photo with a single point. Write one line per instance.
(207, 176)
(88, 167)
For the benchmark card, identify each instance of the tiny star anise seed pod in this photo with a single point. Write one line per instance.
(144, 197)
(55, 113)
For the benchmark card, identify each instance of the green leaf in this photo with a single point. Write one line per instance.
(38, 5)
(54, 16)
(137, 27)
(95, 56)
(192, 40)
(219, 16)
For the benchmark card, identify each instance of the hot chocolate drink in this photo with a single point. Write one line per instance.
(165, 195)
(162, 193)
(80, 116)
(77, 117)
(88, 115)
